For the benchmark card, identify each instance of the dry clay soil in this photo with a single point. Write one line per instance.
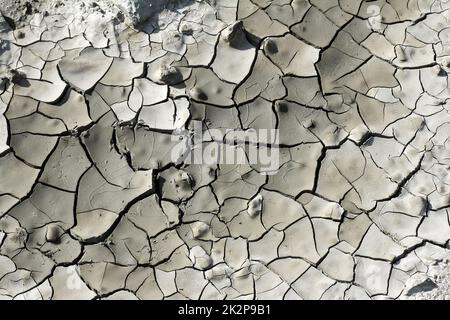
(94, 206)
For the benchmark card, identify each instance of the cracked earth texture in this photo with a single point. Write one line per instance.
(92, 206)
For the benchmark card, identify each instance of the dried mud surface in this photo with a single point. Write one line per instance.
(92, 205)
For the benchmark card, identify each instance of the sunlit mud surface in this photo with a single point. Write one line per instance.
(96, 96)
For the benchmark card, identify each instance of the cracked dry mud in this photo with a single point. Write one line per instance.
(93, 207)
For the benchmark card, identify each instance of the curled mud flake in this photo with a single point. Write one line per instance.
(16, 76)
(19, 235)
(54, 233)
(359, 134)
(200, 258)
(255, 206)
(419, 283)
(401, 54)
(270, 46)
(281, 106)
(309, 124)
(169, 74)
(20, 34)
(199, 229)
(339, 188)
(234, 33)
